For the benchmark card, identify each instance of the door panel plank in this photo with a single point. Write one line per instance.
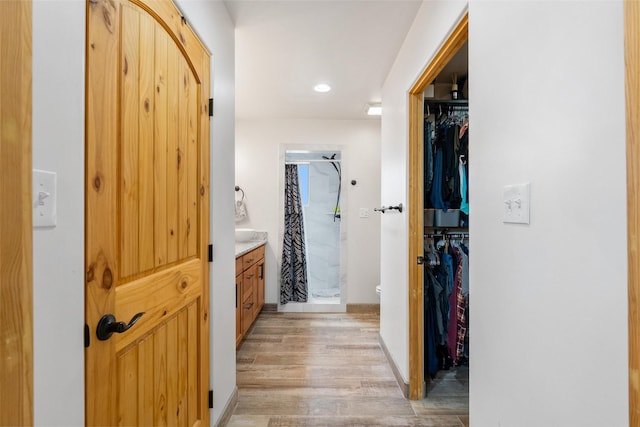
(101, 263)
(192, 169)
(130, 155)
(183, 120)
(145, 382)
(160, 376)
(173, 155)
(183, 360)
(172, 372)
(146, 108)
(160, 147)
(195, 408)
(128, 388)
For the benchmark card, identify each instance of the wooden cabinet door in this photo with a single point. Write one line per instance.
(238, 309)
(147, 213)
(260, 286)
(247, 312)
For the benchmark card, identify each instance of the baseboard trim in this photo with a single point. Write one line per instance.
(228, 409)
(404, 387)
(363, 308)
(270, 307)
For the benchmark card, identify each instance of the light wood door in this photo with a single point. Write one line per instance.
(147, 199)
(16, 331)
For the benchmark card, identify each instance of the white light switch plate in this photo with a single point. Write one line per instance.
(516, 203)
(44, 198)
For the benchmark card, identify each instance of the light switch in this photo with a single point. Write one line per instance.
(364, 212)
(516, 202)
(44, 198)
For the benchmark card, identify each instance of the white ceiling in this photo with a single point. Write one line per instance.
(284, 48)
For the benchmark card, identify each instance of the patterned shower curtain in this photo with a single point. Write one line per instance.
(293, 275)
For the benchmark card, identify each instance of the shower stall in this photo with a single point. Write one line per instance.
(320, 187)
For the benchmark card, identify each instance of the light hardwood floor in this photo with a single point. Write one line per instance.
(304, 369)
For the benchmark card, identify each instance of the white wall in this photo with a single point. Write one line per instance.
(434, 21)
(548, 300)
(58, 253)
(58, 145)
(257, 172)
(548, 323)
(213, 24)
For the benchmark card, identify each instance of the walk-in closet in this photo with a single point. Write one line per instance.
(446, 231)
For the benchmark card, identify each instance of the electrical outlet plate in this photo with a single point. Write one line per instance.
(364, 212)
(516, 204)
(44, 198)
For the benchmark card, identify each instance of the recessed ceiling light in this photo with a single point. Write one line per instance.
(374, 109)
(322, 88)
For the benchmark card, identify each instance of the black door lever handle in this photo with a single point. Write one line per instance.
(107, 326)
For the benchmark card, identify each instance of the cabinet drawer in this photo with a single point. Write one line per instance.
(246, 317)
(239, 266)
(252, 257)
(248, 278)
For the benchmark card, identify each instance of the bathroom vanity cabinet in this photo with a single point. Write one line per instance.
(249, 290)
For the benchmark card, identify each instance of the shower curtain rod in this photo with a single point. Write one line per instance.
(304, 162)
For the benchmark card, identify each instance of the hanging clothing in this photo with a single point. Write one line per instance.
(293, 275)
(428, 159)
(464, 205)
(446, 304)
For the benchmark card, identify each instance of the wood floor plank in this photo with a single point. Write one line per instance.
(362, 421)
(310, 369)
(290, 359)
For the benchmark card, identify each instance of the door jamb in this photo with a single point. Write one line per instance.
(632, 88)
(449, 48)
(16, 236)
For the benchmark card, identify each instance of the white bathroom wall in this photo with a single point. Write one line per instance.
(58, 253)
(548, 300)
(257, 172)
(434, 21)
(58, 145)
(211, 20)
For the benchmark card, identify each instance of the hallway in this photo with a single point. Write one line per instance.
(300, 369)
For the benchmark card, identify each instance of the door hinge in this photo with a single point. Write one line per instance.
(420, 260)
(210, 256)
(87, 336)
(210, 399)
(210, 107)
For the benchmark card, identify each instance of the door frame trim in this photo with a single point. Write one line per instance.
(632, 111)
(447, 50)
(16, 241)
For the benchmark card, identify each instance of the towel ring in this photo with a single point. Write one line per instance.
(240, 190)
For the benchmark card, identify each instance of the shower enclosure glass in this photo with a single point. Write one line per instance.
(320, 187)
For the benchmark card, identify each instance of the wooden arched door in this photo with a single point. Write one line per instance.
(147, 213)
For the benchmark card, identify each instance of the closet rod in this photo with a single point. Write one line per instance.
(459, 102)
(306, 162)
(454, 234)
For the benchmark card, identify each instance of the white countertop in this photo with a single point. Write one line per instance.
(245, 247)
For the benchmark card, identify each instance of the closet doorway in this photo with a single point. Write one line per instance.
(455, 41)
